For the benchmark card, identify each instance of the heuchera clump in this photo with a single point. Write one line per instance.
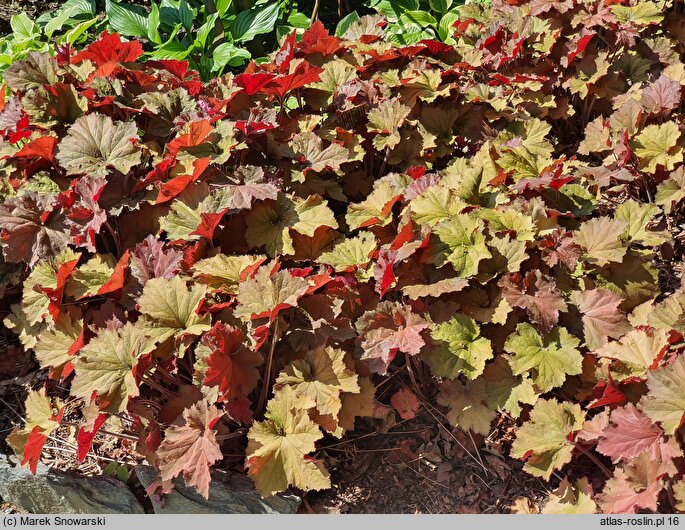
(243, 260)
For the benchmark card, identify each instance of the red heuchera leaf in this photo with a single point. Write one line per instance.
(196, 135)
(635, 486)
(317, 40)
(118, 279)
(559, 248)
(601, 316)
(30, 230)
(632, 433)
(34, 448)
(232, 365)
(405, 402)
(303, 74)
(85, 213)
(55, 294)
(42, 147)
(191, 447)
(239, 410)
(253, 83)
(383, 272)
(208, 224)
(536, 294)
(610, 394)
(577, 46)
(108, 51)
(389, 328)
(176, 185)
(85, 436)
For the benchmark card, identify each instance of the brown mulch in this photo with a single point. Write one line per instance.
(421, 466)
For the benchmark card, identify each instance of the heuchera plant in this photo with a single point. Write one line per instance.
(243, 260)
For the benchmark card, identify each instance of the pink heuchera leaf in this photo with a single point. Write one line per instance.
(389, 328)
(405, 402)
(662, 95)
(536, 294)
(191, 447)
(150, 260)
(601, 316)
(635, 486)
(632, 433)
(30, 230)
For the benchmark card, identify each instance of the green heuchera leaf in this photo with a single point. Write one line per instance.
(169, 308)
(105, 366)
(568, 499)
(94, 143)
(266, 294)
(467, 407)
(548, 359)
(278, 448)
(671, 191)
(88, 278)
(544, 440)
(385, 120)
(460, 349)
(321, 376)
(223, 272)
(665, 401)
(350, 252)
(53, 347)
(465, 241)
(657, 145)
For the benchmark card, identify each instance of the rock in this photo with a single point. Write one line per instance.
(228, 493)
(55, 492)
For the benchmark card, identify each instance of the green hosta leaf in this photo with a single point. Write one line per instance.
(169, 308)
(94, 143)
(464, 239)
(460, 349)
(657, 145)
(544, 439)
(227, 54)
(601, 238)
(345, 23)
(127, 19)
(278, 447)
(665, 401)
(417, 18)
(105, 366)
(350, 253)
(23, 28)
(548, 359)
(255, 21)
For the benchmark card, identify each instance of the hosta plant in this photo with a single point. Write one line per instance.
(231, 267)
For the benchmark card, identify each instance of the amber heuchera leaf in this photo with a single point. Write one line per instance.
(232, 365)
(278, 448)
(633, 487)
(191, 447)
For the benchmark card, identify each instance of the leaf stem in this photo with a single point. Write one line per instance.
(267, 369)
(608, 474)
